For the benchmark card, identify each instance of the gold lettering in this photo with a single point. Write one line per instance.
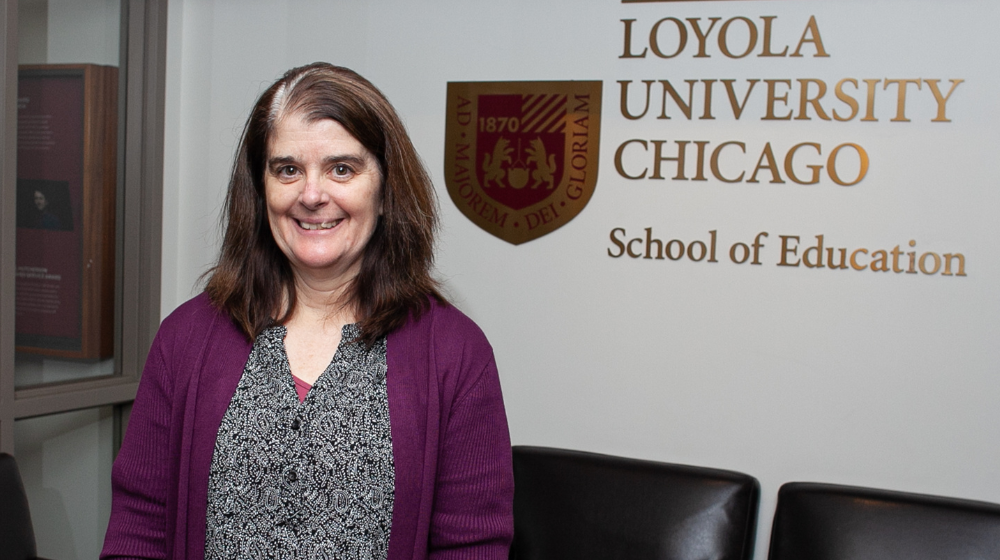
(464, 117)
(843, 258)
(618, 159)
(895, 259)
(702, 35)
(818, 249)
(947, 264)
(766, 50)
(813, 30)
(649, 245)
(805, 100)
(707, 115)
(700, 173)
(941, 100)
(900, 96)
(624, 99)
(850, 101)
(772, 165)
(854, 262)
(654, 37)
(627, 52)
(684, 107)
(772, 97)
(618, 243)
(724, 41)
(831, 165)
(923, 263)
(629, 248)
(659, 158)
(714, 162)
(879, 260)
(737, 108)
(785, 249)
(870, 105)
(790, 171)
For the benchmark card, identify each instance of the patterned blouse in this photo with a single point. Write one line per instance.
(304, 480)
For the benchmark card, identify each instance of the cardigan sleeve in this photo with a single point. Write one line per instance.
(474, 493)
(140, 477)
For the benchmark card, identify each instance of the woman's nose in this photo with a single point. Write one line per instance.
(313, 194)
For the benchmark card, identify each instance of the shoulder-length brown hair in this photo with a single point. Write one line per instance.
(253, 279)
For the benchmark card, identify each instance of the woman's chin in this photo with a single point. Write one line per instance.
(326, 268)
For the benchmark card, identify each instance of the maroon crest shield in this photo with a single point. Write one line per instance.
(521, 157)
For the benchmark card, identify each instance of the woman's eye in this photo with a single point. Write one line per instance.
(287, 171)
(342, 170)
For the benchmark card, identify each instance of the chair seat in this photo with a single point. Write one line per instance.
(577, 505)
(833, 522)
(17, 538)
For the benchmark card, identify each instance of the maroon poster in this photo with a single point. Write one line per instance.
(50, 168)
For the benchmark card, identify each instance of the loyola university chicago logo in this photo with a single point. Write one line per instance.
(521, 157)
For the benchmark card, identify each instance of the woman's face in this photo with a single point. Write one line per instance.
(323, 191)
(40, 201)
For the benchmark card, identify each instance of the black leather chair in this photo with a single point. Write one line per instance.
(578, 506)
(17, 538)
(833, 522)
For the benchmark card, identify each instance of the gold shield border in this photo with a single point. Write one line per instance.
(583, 133)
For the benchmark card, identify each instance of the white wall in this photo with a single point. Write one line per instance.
(874, 379)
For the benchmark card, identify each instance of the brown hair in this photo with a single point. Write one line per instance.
(253, 277)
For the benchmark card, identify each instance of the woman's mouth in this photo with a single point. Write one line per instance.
(322, 225)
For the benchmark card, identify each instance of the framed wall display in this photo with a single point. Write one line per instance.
(66, 160)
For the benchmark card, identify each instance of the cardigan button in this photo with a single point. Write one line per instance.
(292, 476)
(296, 424)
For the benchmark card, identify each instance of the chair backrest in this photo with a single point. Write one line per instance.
(17, 539)
(577, 505)
(833, 522)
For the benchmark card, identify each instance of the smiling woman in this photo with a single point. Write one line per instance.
(323, 199)
(296, 113)
(321, 395)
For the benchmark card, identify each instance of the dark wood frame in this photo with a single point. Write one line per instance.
(100, 133)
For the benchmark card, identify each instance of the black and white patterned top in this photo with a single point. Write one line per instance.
(304, 480)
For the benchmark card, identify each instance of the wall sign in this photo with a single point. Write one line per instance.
(66, 155)
(521, 157)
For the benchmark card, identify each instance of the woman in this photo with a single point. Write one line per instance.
(320, 399)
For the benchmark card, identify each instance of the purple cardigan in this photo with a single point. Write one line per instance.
(450, 444)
